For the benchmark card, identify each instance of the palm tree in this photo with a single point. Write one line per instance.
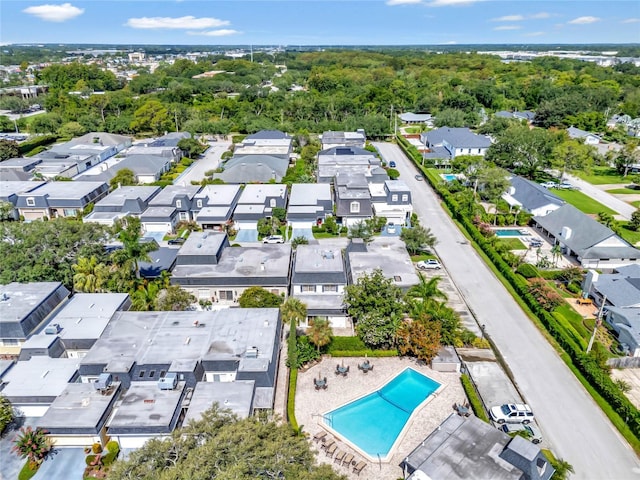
(90, 275)
(133, 250)
(293, 310)
(556, 252)
(33, 445)
(449, 320)
(320, 333)
(427, 289)
(144, 297)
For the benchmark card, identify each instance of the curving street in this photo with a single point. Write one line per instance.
(573, 425)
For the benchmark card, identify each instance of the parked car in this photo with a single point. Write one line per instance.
(567, 186)
(530, 431)
(391, 228)
(273, 239)
(419, 178)
(549, 184)
(177, 241)
(428, 265)
(392, 164)
(511, 413)
(535, 243)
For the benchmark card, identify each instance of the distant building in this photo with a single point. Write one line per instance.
(446, 143)
(123, 201)
(586, 137)
(343, 139)
(59, 199)
(416, 118)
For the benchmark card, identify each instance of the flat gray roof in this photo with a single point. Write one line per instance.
(157, 212)
(254, 262)
(65, 190)
(389, 255)
(203, 243)
(145, 405)
(23, 298)
(168, 193)
(236, 396)
(319, 258)
(253, 194)
(214, 212)
(255, 208)
(122, 194)
(11, 188)
(219, 195)
(86, 315)
(158, 337)
(309, 193)
(39, 378)
(79, 406)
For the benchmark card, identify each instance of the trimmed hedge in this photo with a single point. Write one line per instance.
(528, 271)
(291, 399)
(363, 353)
(40, 141)
(346, 343)
(586, 365)
(474, 399)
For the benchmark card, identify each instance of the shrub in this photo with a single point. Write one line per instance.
(96, 447)
(546, 296)
(291, 398)
(89, 459)
(365, 353)
(573, 288)
(346, 343)
(474, 399)
(39, 141)
(528, 271)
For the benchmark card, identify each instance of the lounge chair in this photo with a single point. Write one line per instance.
(347, 459)
(327, 443)
(319, 436)
(331, 450)
(359, 467)
(339, 456)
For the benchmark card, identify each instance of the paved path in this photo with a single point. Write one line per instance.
(210, 161)
(623, 208)
(574, 426)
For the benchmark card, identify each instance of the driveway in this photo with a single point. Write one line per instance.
(575, 427)
(62, 463)
(623, 208)
(210, 161)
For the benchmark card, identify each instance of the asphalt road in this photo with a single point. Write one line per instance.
(572, 423)
(210, 161)
(623, 208)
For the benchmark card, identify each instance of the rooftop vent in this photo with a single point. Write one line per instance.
(168, 382)
(103, 382)
(251, 352)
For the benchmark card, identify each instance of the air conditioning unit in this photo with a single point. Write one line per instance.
(251, 352)
(103, 382)
(168, 382)
(52, 329)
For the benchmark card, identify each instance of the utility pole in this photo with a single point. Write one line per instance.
(598, 321)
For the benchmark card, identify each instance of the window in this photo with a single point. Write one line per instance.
(226, 294)
(354, 207)
(272, 203)
(141, 374)
(405, 197)
(394, 197)
(479, 150)
(308, 288)
(199, 203)
(31, 202)
(152, 373)
(397, 278)
(70, 212)
(162, 373)
(178, 203)
(330, 288)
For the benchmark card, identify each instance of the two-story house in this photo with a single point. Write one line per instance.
(343, 139)
(309, 205)
(59, 199)
(213, 206)
(353, 199)
(318, 279)
(211, 270)
(9, 192)
(123, 201)
(443, 144)
(181, 197)
(587, 137)
(392, 200)
(349, 161)
(256, 202)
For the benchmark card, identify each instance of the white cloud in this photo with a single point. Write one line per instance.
(54, 13)
(187, 22)
(631, 20)
(402, 2)
(534, 34)
(584, 20)
(450, 42)
(508, 18)
(216, 33)
(507, 27)
(540, 16)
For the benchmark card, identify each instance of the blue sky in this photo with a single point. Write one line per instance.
(319, 22)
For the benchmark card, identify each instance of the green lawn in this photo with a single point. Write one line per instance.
(623, 191)
(583, 202)
(512, 243)
(636, 204)
(629, 235)
(602, 175)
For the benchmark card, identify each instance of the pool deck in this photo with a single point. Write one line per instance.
(311, 404)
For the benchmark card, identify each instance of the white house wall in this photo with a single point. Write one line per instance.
(74, 441)
(31, 410)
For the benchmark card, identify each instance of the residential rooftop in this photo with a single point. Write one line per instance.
(388, 254)
(219, 195)
(203, 243)
(256, 194)
(309, 193)
(47, 379)
(236, 396)
(168, 193)
(66, 190)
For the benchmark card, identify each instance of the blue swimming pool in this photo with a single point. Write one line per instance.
(449, 177)
(511, 232)
(374, 422)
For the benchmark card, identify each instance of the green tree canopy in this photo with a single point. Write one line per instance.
(320, 333)
(124, 177)
(8, 149)
(417, 239)
(174, 298)
(258, 297)
(6, 413)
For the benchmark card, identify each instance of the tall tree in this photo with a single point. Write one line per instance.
(373, 293)
(320, 333)
(418, 239)
(124, 177)
(419, 338)
(174, 298)
(293, 310)
(90, 275)
(133, 248)
(258, 297)
(8, 149)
